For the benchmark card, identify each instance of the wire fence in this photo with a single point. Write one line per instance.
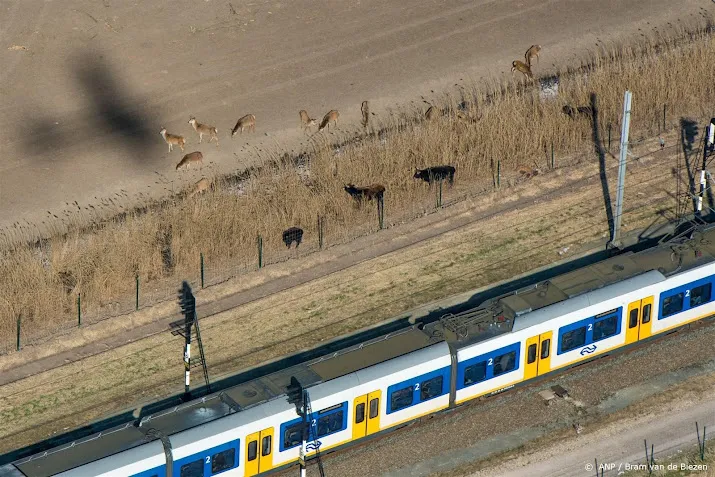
(690, 454)
(324, 234)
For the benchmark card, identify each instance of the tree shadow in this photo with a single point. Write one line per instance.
(111, 114)
(601, 152)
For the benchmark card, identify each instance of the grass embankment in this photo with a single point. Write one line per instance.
(510, 124)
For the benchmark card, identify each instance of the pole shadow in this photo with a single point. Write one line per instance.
(601, 153)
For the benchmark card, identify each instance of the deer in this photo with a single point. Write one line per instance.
(200, 187)
(522, 68)
(172, 139)
(305, 120)
(204, 129)
(527, 171)
(365, 110)
(190, 158)
(532, 52)
(333, 116)
(246, 122)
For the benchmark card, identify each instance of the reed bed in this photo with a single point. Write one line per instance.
(507, 123)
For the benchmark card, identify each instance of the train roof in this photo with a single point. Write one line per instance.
(242, 398)
(495, 317)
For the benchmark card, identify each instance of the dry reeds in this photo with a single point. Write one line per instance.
(508, 123)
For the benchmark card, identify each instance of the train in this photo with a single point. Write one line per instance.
(380, 385)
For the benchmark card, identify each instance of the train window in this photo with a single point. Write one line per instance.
(253, 450)
(531, 354)
(646, 314)
(504, 363)
(700, 295)
(633, 318)
(475, 373)
(359, 413)
(607, 327)
(374, 407)
(266, 446)
(573, 339)
(193, 469)
(545, 348)
(672, 304)
(330, 423)
(293, 435)
(401, 398)
(223, 460)
(431, 388)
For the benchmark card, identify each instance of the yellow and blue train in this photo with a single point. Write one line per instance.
(375, 387)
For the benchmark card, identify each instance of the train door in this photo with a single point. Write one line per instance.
(646, 317)
(632, 321)
(366, 415)
(531, 368)
(259, 452)
(544, 358)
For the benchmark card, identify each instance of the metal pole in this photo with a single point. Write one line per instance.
(622, 168)
(202, 269)
(19, 325)
(320, 232)
(304, 435)
(701, 194)
(260, 252)
(187, 355)
(137, 295)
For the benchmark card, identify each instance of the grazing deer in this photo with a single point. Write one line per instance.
(204, 129)
(522, 68)
(333, 116)
(172, 139)
(306, 120)
(527, 171)
(200, 187)
(532, 52)
(246, 122)
(190, 158)
(365, 110)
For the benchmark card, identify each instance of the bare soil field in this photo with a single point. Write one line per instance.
(538, 232)
(87, 85)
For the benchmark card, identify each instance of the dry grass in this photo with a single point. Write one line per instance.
(510, 124)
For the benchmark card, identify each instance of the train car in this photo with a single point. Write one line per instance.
(378, 386)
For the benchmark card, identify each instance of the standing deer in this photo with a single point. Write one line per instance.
(522, 68)
(365, 110)
(200, 187)
(204, 129)
(305, 120)
(532, 52)
(246, 122)
(191, 158)
(172, 139)
(333, 116)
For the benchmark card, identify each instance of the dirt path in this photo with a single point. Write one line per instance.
(619, 446)
(86, 85)
(477, 253)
